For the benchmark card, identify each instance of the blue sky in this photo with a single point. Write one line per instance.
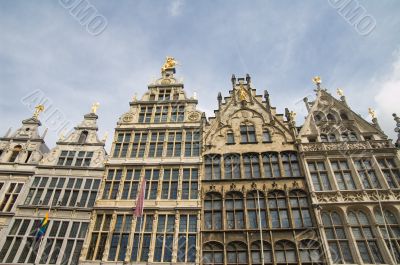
(281, 44)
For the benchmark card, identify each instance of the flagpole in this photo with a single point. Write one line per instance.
(259, 221)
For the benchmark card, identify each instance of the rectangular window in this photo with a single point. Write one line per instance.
(174, 144)
(112, 184)
(99, 237)
(121, 145)
(10, 197)
(156, 146)
(83, 159)
(343, 175)
(192, 143)
(190, 183)
(145, 114)
(391, 172)
(187, 238)
(152, 176)
(367, 174)
(131, 184)
(177, 113)
(164, 238)
(139, 144)
(161, 114)
(319, 175)
(142, 238)
(164, 94)
(119, 239)
(170, 183)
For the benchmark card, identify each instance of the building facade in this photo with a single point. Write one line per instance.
(158, 139)
(353, 174)
(20, 152)
(246, 186)
(64, 186)
(256, 206)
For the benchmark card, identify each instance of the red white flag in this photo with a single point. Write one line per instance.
(140, 199)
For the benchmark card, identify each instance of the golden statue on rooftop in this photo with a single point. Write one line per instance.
(38, 109)
(169, 63)
(317, 80)
(95, 106)
(242, 93)
(340, 92)
(372, 113)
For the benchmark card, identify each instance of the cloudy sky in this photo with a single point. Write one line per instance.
(45, 52)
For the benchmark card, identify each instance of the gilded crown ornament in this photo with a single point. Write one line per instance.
(38, 109)
(242, 93)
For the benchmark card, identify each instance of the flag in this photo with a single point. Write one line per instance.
(140, 199)
(43, 227)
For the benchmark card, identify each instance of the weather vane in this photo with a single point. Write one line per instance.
(38, 109)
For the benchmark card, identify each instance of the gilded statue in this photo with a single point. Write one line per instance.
(242, 93)
(38, 109)
(169, 63)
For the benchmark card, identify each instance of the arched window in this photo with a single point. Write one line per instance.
(266, 135)
(251, 165)
(256, 210)
(247, 133)
(212, 166)
(353, 137)
(332, 137)
(324, 138)
(232, 166)
(213, 253)
(83, 137)
(300, 209)
(285, 252)
(345, 137)
(234, 210)
(337, 239)
(236, 253)
(310, 252)
(213, 211)
(14, 155)
(366, 241)
(344, 116)
(256, 257)
(330, 117)
(278, 210)
(271, 165)
(230, 138)
(317, 117)
(390, 230)
(290, 164)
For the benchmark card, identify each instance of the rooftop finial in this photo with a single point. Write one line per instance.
(317, 80)
(397, 129)
(94, 108)
(38, 109)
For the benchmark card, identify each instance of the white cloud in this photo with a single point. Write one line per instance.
(175, 8)
(388, 97)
